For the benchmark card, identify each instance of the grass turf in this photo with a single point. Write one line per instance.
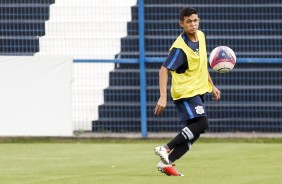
(133, 162)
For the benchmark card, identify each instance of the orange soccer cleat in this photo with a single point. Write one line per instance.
(167, 169)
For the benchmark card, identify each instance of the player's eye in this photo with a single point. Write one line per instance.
(192, 21)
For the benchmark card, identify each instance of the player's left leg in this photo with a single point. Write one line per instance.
(193, 129)
(179, 151)
(181, 142)
(191, 111)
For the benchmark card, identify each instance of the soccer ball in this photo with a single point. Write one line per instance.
(222, 59)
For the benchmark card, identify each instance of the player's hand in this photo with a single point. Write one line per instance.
(216, 93)
(160, 107)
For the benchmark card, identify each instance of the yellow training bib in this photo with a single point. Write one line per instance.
(194, 81)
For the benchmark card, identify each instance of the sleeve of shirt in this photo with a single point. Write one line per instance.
(175, 59)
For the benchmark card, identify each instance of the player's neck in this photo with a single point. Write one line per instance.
(192, 37)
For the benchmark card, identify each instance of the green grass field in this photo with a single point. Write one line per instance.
(133, 162)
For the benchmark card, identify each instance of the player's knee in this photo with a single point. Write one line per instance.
(203, 121)
(195, 127)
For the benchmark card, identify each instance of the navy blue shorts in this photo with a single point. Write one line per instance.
(190, 108)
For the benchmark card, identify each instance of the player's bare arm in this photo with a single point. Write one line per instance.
(215, 91)
(163, 78)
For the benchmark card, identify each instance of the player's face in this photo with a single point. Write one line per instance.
(190, 24)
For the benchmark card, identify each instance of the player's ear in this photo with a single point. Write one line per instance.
(180, 23)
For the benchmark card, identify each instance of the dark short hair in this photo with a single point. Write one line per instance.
(186, 12)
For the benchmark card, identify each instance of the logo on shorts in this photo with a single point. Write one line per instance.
(200, 109)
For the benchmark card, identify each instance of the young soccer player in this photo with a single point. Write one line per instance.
(187, 63)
